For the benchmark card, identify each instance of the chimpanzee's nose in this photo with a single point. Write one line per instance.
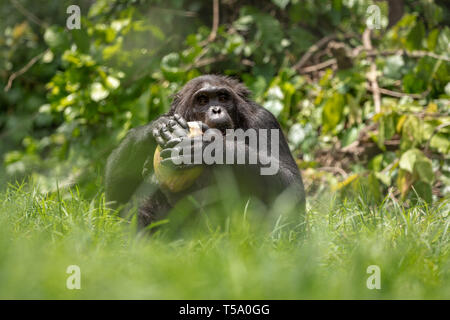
(216, 110)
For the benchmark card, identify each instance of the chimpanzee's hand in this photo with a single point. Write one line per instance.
(171, 128)
(181, 153)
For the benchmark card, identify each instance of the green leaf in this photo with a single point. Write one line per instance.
(112, 83)
(374, 187)
(332, 112)
(281, 3)
(301, 38)
(297, 134)
(81, 39)
(98, 92)
(170, 66)
(109, 51)
(414, 161)
(432, 39)
(441, 143)
(423, 190)
(424, 170)
(433, 13)
(56, 38)
(415, 37)
(274, 106)
(386, 129)
(393, 66)
(443, 41)
(413, 84)
(375, 163)
(385, 178)
(409, 158)
(412, 130)
(349, 136)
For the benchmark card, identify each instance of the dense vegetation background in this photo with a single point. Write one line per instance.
(69, 96)
(366, 112)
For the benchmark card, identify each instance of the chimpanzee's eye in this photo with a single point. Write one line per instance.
(223, 97)
(202, 99)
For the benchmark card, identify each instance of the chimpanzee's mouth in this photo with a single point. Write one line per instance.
(222, 126)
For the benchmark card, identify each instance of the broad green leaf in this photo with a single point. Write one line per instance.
(393, 66)
(423, 190)
(56, 38)
(385, 178)
(409, 158)
(332, 112)
(433, 13)
(432, 39)
(441, 143)
(349, 136)
(404, 182)
(413, 84)
(424, 170)
(411, 133)
(414, 161)
(443, 42)
(386, 129)
(81, 39)
(415, 37)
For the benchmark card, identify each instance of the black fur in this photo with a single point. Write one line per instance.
(125, 164)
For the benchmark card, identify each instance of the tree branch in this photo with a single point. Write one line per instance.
(412, 54)
(318, 66)
(215, 26)
(24, 69)
(397, 94)
(27, 13)
(319, 44)
(372, 74)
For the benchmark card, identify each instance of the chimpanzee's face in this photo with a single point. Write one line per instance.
(215, 106)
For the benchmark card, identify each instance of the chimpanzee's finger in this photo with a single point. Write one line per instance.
(167, 152)
(204, 126)
(177, 130)
(181, 121)
(170, 163)
(172, 143)
(160, 141)
(155, 132)
(166, 134)
(171, 124)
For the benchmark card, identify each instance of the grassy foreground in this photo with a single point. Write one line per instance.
(41, 235)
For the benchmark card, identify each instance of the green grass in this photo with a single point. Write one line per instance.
(41, 235)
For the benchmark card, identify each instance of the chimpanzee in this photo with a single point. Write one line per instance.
(217, 102)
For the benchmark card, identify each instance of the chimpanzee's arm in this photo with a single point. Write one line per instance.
(125, 164)
(289, 174)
